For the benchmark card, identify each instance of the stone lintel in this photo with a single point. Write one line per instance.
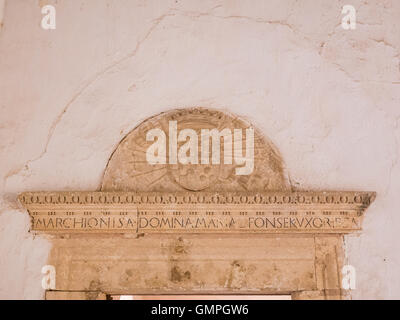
(191, 212)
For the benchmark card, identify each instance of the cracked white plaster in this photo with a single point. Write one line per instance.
(329, 100)
(86, 85)
(2, 8)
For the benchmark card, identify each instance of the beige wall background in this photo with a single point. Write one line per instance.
(328, 98)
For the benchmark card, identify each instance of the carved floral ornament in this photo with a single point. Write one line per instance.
(139, 197)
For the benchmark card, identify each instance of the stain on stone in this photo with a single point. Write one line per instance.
(2, 9)
(237, 275)
(93, 290)
(91, 295)
(129, 272)
(251, 269)
(155, 283)
(235, 263)
(180, 246)
(42, 3)
(177, 275)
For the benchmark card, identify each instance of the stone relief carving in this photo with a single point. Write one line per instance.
(139, 197)
(128, 169)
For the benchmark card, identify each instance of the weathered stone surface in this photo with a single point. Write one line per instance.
(326, 96)
(186, 264)
(128, 169)
(198, 241)
(75, 295)
(273, 212)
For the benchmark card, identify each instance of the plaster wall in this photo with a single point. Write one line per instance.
(328, 98)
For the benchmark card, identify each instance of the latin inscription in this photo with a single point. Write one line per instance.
(188, 222)
(188, 213)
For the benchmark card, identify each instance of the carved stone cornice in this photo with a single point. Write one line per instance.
(192, 212)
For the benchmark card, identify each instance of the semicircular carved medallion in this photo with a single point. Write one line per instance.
(128, 169)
